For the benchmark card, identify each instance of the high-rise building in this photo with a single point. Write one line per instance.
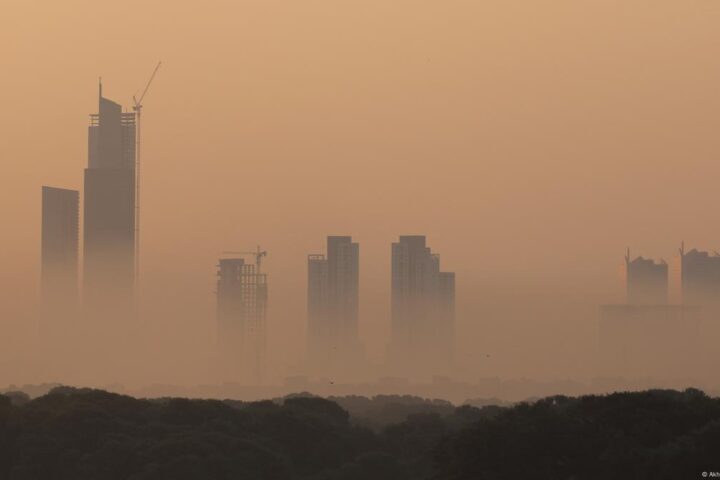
(333, 345)
(59, 257)
(646, 281)
(648, 337)
(423, 309)
(109, 212)
(446, 298)
(241, 310)
(700, 278)
(317, 301)
(650, 341)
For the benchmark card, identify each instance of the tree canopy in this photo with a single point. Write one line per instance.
(91, 434)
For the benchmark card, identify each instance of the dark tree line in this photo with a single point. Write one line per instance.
(95, 435)
(654, 434)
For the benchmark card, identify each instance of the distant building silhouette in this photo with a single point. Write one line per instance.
(650, 341)
(423, 309)
(59, 257)
(646, 337)
(109, 213)
(241, 311)
(646, 281)
(700, 278)
(332, 306)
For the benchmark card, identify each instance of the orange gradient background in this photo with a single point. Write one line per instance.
(532, 142)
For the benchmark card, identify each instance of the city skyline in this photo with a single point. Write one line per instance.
(388, 240)
(531, 152)
(418, 288)
(423, 297)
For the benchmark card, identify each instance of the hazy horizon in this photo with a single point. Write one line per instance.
(532, 142)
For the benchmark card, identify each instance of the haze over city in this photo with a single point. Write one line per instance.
(530, 142)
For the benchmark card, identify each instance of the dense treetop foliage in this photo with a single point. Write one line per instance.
(90, 434)
(654, 434)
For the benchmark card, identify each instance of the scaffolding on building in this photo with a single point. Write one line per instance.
(242, 309)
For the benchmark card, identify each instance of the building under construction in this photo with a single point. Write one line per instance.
(109, 213)
(241, 311)
(111, 210)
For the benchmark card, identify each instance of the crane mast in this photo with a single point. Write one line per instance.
(137, 108)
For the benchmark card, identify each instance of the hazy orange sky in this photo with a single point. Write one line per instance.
(532, 141)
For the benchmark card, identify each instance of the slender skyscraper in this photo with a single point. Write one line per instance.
(241, 307)
(109, 247)
(59, 252)
(423, 309)
(333, 292)
(700, 278)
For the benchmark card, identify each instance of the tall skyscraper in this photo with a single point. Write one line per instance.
(333, 346)
(241, 310)
(423, 309)
(700, 278)
(646, 281)
(59, 257)
(109, 227)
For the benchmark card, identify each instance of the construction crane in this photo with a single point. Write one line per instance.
(137, 108)
(257, 253)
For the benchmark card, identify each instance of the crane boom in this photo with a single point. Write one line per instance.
(138, 102)
(257, 253)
